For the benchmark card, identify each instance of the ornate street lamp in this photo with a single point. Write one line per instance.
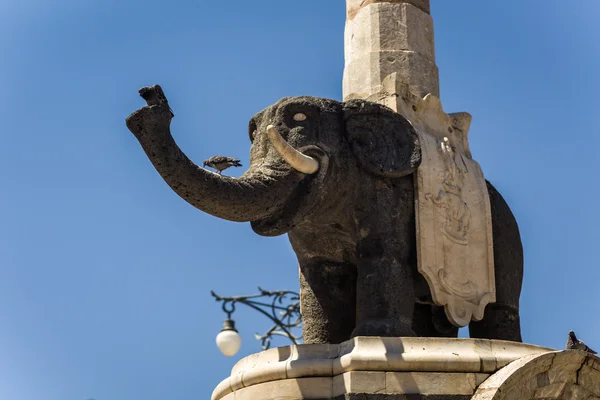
(282, 308)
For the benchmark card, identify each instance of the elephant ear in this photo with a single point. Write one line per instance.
(384, 141)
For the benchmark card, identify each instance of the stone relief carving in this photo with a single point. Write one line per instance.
(449, 197)
(454, 230)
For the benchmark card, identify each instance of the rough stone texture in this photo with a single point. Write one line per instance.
(563, 375)
(383, 38)
(394, 383)
(353, 6)
(302, 388)
(360, 382)
(433, 383)
(403, 397)
(351, 224)
(373, 365)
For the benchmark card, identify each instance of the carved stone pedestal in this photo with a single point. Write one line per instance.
(373, 368)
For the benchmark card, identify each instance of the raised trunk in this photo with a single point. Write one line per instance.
(255, 195)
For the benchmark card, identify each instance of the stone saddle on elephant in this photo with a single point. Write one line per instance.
(337, 177)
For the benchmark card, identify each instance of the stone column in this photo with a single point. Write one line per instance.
(383, 37)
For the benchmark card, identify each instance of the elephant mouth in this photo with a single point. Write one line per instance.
(305, 198)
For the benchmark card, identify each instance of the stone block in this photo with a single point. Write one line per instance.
(431, 383)
(235, 379)
(552, 391)
(304, 388)
(507, 352)
(590, 379)
(265, 366)
(385, 38)
(408, 354)
(353, 6)
(402, 397)
(312, 360)
(565, 366)
(386, 26)
(359, 382)
(223, 389)
(593, 362)
(555, 375)
(575, 392)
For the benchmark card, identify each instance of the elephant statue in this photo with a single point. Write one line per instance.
(337, 177)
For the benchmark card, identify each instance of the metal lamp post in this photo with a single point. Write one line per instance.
(281, 307)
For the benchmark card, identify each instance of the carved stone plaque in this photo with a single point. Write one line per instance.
(454, 231)
(452, 206)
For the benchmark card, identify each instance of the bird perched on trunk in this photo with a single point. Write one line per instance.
(575, 344)
(221, 163)
(154, 95)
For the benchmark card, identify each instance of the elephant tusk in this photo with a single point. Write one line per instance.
(300, 162)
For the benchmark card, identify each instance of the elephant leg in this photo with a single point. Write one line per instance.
(431, 321)
(327, 301)
(385, 292)
(501, 319)
(327, 285)
(499, 322)
(386, 258)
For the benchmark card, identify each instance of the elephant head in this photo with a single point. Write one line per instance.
(305, 155)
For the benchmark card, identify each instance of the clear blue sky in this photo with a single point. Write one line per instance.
(105, 272)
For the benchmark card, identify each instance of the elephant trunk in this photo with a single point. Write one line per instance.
(255, 195)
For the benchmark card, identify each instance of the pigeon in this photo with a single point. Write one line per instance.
(154, 95)
(574, 344)
(221, 163)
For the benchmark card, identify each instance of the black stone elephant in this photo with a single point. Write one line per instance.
(338, 179)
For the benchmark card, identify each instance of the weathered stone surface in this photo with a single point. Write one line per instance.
(372, 69)
(379, 366)
(359, 382)
(391, 27)
(564, 368)
(576, 392)
(267, 365)
(590, 379)
(594, 363)
(311, 360)
(429, 354)
(224, 390)
(302, 388)
(403, 397)
(554, 375)
(552, 391)
(433, 383)
(384, 38)
(354, 6)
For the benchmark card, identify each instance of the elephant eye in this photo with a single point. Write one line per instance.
(299, 117)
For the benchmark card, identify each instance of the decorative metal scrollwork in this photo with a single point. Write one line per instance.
(282, 308)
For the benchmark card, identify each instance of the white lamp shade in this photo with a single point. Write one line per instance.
(229, 342)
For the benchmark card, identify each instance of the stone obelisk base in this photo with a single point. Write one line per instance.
(373, 368)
